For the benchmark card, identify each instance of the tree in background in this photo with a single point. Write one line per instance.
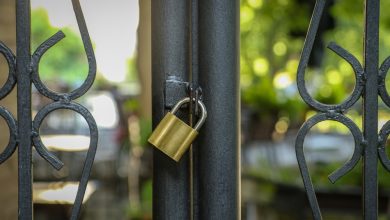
(65, 63)
(272, 36)
(271, 39)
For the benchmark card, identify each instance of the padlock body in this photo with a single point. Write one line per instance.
(172, 136)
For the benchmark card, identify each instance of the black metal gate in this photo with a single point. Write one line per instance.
(195, 44)
(24, 132)
(195, 48)
(370, 82)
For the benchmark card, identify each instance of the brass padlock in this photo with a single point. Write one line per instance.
(172, 136)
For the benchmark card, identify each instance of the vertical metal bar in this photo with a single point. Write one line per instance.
(219, 154)
(194, 79)
(171, 196)
(370, 99)
(23, 71)
(194, 42)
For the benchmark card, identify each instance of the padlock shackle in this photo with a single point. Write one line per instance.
(200, 104)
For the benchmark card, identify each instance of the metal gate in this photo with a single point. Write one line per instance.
(370, 82)
(195, 48)
(24, 132)
(202, 51)
(195, 53)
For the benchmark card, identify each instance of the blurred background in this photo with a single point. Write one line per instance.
(272, 36)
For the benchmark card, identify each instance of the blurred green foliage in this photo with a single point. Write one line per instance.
(145, 211)
(66, 62)
(270, 54)
(272, 37)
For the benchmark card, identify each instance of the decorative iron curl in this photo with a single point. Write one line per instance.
(13, 135)
(4, 113)
(42, 150)
(383, 135)
(340, 172)
(41, 50)
(65, 101)
(385, 131)
(382, 84)
(352, 60)
(329, 112)
(11, 60)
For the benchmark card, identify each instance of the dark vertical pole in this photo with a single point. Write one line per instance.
(194, 42)
(219, 154)
(370, 99)
(23, 70)
(194, 79)
(171, 185)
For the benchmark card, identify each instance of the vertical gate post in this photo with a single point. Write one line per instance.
(218, 143)
(370, 115)
(171, 185)
(23, 60)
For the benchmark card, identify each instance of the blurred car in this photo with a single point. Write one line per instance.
(66, 134)
(318, 147)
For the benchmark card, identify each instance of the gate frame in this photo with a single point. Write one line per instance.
(197, 42)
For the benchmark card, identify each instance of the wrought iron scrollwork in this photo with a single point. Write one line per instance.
(382, 85)
(11, 60)
(51, 42)
(13, 134)
(385, 131)
(60, 101)
(4, 113)
(327, 112)
(57, 163)
(370, 82)
(347, 167)
(383, 135)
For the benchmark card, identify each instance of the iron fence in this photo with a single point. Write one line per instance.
(200, 47)
(24, 132)
(370, 82)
